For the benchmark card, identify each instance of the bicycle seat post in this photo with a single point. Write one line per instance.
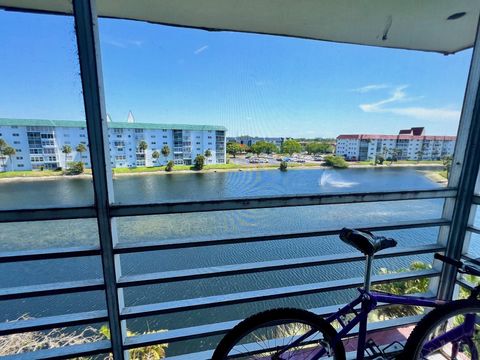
(368, 273)
(362, 333)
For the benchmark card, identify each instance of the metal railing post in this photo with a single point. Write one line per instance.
(463, 175)
(86, 27)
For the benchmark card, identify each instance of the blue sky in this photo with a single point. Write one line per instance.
(252, 84)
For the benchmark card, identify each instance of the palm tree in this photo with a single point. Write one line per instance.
(142, 146)
(3, 144)
(419, 154)
(66, 149)
(208, 153)
(81, 148)
(9, 151)
(165, 151)
(156, 155)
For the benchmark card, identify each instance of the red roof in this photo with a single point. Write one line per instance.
(395, 137)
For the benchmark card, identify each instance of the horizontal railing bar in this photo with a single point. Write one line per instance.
(263, 202)
(372, 327)
(47, 214)
(51, 322)
(47, 254)
(200, 331)
(465, 284)
(265, 294)
(469, 258)
(473, 229)
(51, 289)
(257, 202)
(237, 269)
(65, 352)
(125, 248)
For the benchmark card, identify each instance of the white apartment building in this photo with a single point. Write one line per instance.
(410, 144)
(250, 140)
(38, 143)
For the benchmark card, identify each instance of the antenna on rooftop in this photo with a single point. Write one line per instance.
(130, 118)
(109, 119)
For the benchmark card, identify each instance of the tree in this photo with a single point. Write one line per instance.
(379, 159)
(165, 151)
(169, 166)
(283, 166)
(419, 154)
(9, 151)
(316, 147)
(394, 154)
(150, 352)
(336, 162)
(447, 164)
(233, 148)
(208, 153)
(291, 146)
(405, 287)
(81, 148)
(3, 145)
(66, 149)
(142, 146)
(155, 155)
(75, 168)
(199, 162)
(264, 147)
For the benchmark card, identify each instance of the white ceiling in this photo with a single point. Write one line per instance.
(408, 24)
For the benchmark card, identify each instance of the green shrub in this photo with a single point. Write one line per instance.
(75, 168)
(169, 166)
(336, 162)
(283, 166)
(199, 162)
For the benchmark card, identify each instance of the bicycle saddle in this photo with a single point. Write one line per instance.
(365, 241)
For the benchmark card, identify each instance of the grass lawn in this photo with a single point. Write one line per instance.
(443, 174)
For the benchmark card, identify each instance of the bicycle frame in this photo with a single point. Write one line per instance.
(369, 301)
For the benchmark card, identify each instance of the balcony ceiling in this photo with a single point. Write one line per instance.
(406, 24)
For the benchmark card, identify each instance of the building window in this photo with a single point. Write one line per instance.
(20, 165)
(15, 134)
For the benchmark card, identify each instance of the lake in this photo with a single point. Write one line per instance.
(174, 187)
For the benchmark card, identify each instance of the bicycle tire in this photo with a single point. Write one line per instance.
(433, 320)
(275, 316)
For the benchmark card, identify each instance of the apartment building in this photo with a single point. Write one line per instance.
(409, 144)
(38, 143)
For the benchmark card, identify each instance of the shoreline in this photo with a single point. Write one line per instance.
(435, 177)
(432, 175)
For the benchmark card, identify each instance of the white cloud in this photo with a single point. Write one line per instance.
(123, 44)
(398, 95)
(372, 87)
(200, 49)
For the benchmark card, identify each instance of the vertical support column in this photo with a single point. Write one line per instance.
(463, 175)
(86, 27)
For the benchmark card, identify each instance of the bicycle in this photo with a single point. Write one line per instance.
(285, 333)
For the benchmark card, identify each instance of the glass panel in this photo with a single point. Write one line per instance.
(293, 101)
(44, 148)
(48, 339)
(241, 223)
(54, 305)
(48, 234)
(191, 258)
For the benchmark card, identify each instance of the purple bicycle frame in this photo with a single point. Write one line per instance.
(369, 301)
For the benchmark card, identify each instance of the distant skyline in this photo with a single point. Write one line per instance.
(258, 85)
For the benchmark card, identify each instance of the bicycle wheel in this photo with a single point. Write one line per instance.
(281, 334)
(447, 332)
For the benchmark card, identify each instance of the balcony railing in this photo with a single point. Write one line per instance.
(453, 223)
